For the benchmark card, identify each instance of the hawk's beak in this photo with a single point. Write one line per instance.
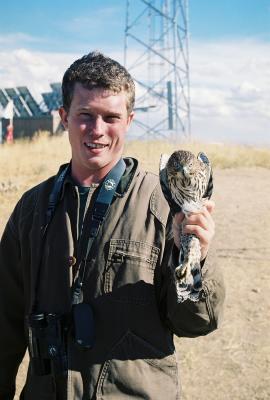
(186, 171)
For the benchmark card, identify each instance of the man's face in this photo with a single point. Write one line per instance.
(97, 123)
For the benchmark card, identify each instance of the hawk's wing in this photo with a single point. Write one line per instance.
(164, 184)
(209, 190)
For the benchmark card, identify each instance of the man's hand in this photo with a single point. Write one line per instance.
(200, 224)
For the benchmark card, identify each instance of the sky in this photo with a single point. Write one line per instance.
(229, 44)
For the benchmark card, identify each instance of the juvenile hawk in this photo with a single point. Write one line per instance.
(185, 181)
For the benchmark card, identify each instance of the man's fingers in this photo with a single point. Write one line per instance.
(199, 223)
(203, 219)
(204, 235)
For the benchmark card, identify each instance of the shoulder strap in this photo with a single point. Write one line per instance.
(105, 196)
(54, 196)
(100, 209)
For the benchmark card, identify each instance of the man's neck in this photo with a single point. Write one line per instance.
(87, 177)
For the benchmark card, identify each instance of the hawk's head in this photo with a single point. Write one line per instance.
(185, 177)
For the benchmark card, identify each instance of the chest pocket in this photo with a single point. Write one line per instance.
(129, 275)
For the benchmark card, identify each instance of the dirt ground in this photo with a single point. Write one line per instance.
(234, 361)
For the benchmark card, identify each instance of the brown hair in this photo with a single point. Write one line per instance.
(95, 70)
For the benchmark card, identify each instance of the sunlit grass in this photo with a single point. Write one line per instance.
(221, 156)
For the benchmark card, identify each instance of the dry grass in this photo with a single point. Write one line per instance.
(221, 156)
(27, 161)
(37, 159)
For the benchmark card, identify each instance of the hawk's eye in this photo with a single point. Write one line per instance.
(176, 164)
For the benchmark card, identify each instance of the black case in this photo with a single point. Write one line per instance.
(83, 322)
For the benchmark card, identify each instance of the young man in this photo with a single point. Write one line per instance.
(87, 281)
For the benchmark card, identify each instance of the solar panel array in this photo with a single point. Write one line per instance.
(26, 106)
(24, 103)
(28, 98)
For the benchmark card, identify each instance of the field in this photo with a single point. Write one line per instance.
(234, 361)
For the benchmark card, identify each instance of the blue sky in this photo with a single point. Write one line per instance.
(229, 55)
(77, 26)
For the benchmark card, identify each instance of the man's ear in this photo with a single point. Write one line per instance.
(130, 118)
(63, 115)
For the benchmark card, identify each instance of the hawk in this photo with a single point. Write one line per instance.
(186, 180)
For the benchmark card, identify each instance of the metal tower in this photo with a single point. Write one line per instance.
(157, 56)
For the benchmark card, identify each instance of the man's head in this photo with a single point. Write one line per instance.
(98, 97)
(95, 71)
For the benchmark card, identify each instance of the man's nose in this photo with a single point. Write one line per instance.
(97, 126)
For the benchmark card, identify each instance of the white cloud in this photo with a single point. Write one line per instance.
(230, 90)
(36, 70)
(230, 85)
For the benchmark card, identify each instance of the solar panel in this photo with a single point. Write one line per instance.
(19, 107)
(3, 99)
(52, 100)
(56, 87)
(29, 100)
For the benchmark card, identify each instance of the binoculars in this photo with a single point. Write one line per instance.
(47, 344)
(47, 337)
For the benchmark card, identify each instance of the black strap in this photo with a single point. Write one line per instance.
(100, 209)
(54, 197)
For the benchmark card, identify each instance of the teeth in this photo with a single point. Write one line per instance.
(95, 145)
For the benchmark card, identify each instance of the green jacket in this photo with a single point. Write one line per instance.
(130, 287)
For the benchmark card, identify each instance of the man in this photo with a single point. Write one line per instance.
(87, 282)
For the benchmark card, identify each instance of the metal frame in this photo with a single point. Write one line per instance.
(157, 32)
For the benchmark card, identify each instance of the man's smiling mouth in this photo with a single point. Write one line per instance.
(95, 145)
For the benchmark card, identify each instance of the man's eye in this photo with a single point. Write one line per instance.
(112, 118)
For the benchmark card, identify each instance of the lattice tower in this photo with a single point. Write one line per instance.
(157, 56)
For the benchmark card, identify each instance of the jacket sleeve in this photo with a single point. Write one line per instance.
(12, 337)
(191, 319)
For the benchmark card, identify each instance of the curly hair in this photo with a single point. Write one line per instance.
(96, 70)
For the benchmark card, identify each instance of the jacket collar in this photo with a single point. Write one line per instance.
(124, 184)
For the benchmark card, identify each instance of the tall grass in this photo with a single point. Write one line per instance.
(39, 158)
(221, 156)
(25, 163)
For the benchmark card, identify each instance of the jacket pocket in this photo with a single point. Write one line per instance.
(129, 274)
(135, 369)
